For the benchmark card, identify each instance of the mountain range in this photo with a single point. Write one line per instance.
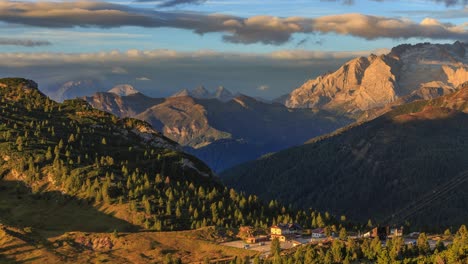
(201, 92)
(221, 133)
(224, 129)
(409, 165)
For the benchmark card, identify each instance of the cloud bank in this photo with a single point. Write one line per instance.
(171, 3)
(23, 42)
(256, 29)
(21, 59)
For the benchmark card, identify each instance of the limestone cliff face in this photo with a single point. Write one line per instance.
(183, 120)
(427, 70)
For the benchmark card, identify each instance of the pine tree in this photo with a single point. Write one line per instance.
(275, 247)
(423, 244)
(343, 234)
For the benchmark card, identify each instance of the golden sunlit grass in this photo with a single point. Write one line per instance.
(18, 245)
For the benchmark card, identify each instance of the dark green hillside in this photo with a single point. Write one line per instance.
(408, 165)
(70, 167)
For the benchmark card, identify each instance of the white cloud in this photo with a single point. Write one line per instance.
(23, 42)
(263, 87)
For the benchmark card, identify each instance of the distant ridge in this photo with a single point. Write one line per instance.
(201, 92)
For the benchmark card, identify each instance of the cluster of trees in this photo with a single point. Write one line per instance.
(373, 251)
(99, 158)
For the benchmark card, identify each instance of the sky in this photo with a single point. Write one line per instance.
(262, 48)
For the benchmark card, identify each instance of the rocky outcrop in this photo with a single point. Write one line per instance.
(424, 71)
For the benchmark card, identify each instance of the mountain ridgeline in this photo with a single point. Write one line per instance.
(364, 87)
(69, 167)
(407, 166)
(201, 92)
(222, 133)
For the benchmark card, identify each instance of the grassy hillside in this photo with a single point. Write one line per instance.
(410, 165)
(18, 245)
(72, 162)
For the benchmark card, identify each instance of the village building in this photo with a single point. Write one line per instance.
(255, 239)
(251, 235)
(384, 232)
(285, 231)
(318, 233)
(396, 232)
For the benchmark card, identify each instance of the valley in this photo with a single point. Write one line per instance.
(222, 133)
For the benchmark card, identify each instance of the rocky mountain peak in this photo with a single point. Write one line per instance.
(123, 90)
(223, 94)
(371, 82)
(201, 92)
(183, 92)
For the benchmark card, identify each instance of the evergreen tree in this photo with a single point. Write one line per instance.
(275, 247)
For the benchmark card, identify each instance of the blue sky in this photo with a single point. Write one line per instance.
(97, 39)
(72, 34)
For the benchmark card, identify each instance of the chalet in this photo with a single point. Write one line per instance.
(384, 232)
(285, 231)
(245, 231)
(255, 239)
(380, 232)
(251, 235)
(396, 232)
(318, 233)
